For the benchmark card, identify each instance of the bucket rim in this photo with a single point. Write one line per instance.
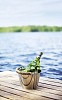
(24, 73)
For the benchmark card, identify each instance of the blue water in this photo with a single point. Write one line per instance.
(20, 48)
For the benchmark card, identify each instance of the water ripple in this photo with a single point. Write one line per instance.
(46, 58)
(28, 55)
(20, 49)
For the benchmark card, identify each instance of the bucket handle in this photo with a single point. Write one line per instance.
(24, 73)
(26, 78)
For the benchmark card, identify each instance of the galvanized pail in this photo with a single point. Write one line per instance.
(28, 80)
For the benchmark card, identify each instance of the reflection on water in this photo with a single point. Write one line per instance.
(20, 48)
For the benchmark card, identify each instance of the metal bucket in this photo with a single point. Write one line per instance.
(28, 80)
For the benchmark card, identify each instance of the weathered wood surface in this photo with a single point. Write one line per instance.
(10, 89)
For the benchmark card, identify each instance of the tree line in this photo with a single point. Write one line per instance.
(31, 28)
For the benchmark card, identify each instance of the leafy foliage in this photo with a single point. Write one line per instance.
(34, 66)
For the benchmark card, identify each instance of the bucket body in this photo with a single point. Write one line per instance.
(28, 80)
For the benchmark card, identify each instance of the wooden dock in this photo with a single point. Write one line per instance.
(10, 88)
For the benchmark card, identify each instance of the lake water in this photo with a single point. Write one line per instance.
(20, 48)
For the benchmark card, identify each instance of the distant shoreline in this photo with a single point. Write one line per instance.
(31, 28)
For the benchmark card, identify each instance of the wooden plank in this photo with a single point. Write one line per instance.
(42, 81)
(13, 74)
(24, 93)
(11, 96)
(26, 96)
(2, 98)
(48, 88)
(44, 85)
(44, 92)
(51, 82)
(55, 91)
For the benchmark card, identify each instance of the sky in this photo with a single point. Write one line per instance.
(30, 12)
